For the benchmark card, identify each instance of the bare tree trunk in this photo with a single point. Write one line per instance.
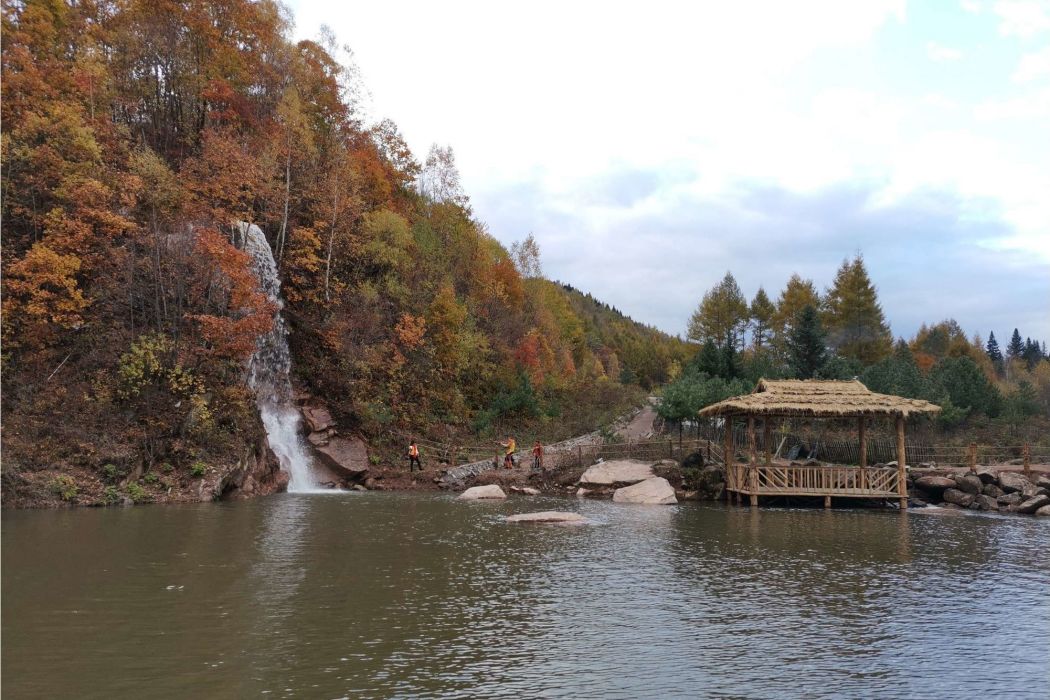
(331, 242)
(287, 194)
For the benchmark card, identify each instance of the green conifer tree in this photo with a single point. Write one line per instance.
(807, 344)
(994, 353)
(1015, 349)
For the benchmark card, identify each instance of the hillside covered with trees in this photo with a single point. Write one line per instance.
(842, 333)
(136, 134)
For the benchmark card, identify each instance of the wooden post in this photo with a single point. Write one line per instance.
(971, 457)
(1026, 458)
(902, 475)
(862, 435)
(752, 459)
(767, 440)
(727, 455)
(827, 502)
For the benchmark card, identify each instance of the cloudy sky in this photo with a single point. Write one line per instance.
(652, 146)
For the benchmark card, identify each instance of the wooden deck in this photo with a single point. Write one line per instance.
(828, 481)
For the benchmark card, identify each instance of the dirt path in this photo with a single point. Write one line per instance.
(641, 426)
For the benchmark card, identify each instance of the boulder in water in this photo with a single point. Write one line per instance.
(1009, 499)
(654, 491)
(985, 502)
(529, 491)
(1045, 510)
(992, 490)
(475, 493)
(959, 498)
(620, 471)
(548, 516)
(1033, 504)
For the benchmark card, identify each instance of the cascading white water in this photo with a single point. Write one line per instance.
(268, 370)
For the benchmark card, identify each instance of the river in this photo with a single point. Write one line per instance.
(400, 595)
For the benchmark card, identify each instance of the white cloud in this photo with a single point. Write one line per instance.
(617, 119)
(940, 54)
(971, 6)
(1023, 18)
(1032, 66)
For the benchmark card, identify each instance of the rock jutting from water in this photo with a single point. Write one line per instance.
(476, 493)
(655, 491)
(985, 490)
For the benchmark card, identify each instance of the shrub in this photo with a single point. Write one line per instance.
(198, 469)
(151, 479)
(111, 472)
(64, 487)
(136, 493)
(111, 496)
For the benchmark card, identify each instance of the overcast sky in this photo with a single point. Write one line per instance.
(652, 146)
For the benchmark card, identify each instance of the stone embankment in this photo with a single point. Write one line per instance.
(986, 489)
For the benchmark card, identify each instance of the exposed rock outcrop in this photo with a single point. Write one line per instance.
(347, 457)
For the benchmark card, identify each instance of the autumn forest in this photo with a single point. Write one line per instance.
(136, 135)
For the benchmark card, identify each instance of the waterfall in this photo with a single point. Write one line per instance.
(268, 370)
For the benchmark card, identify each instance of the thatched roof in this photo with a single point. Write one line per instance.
(817, 397)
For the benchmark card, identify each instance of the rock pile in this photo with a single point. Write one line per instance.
(986, 489)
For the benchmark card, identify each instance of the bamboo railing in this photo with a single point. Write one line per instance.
(825, 480)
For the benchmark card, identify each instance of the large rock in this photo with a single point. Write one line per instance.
(1033, 504)
(934, 484)
(1009, 499)
(475, 493)
(987, 475)
(548, 516)
(1012, 481)
(959, 498)
(346, 456)
(317, 418)
(654, 491)
(1043, 480)
(985, 502)
(1045, 510)
(992, 490)
(621, 471)
(969, 483)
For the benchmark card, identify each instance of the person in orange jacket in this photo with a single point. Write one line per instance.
(511, 449)
(413, 457)
(537, 457)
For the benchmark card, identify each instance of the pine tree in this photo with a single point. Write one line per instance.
(1032, 353)
(1016, 347)
(856, 326)
(762, 310)
(807, 344)
(994, 353)
(722, 314)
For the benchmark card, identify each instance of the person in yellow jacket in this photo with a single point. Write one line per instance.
(511, 448)
(413, 457)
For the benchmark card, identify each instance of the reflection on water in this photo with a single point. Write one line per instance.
(381, 595)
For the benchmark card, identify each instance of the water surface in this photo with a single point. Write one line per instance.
(397, 595)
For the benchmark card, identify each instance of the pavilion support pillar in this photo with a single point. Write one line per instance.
(752, 460)
(767, 440)
(902, 474)
(727, 447)
(827, 502)
(862, 435)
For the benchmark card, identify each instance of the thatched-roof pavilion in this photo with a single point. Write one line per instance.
(815, 398)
